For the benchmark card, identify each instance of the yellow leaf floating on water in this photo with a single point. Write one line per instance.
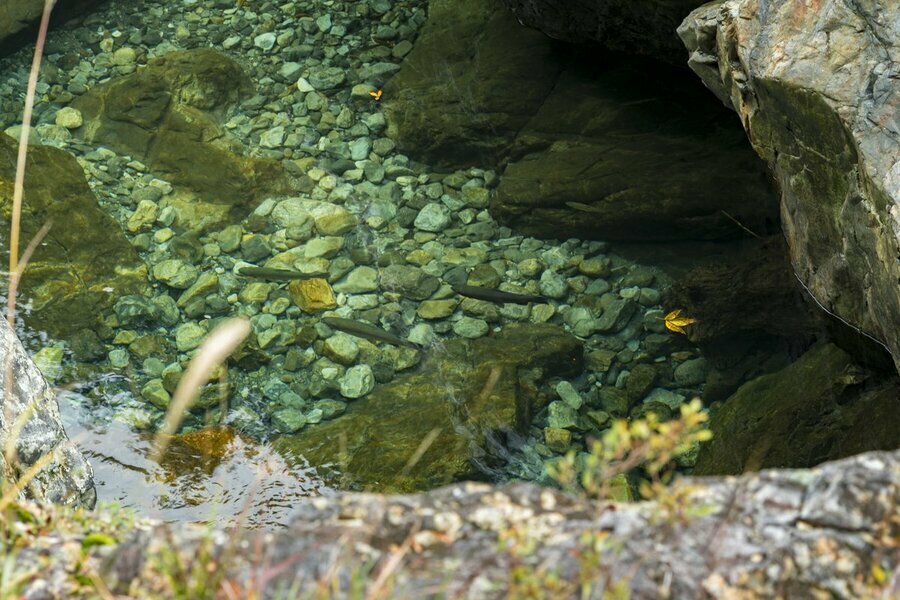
(675, 322)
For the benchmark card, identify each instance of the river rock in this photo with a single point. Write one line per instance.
(386, 427)
(411, 282)
(813, 410)
(815, 86)
(164, 115)
(621, 25)
(85, 253)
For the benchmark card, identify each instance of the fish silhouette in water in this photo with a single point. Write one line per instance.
(369, 332)
(275, 274)
(491, 295)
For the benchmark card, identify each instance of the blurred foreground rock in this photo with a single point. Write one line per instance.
(30, 429)
(825, 532)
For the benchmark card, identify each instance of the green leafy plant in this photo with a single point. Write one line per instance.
(648, 443)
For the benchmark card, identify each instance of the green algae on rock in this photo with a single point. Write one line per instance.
(168, 116)
(800, 416)
(460, 398)
(85, 262)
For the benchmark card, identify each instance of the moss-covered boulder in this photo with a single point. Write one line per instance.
(168, 115)
(438, 425)
(473, 79)
(85, 262)
(593, 145)
(813, 410)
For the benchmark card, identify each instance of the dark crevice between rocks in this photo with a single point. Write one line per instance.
(66, 14)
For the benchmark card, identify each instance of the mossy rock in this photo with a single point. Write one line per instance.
(85, 262)
(461, 399)
(168, 116)
(814, 410)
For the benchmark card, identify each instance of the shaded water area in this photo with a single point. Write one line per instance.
(375, 160)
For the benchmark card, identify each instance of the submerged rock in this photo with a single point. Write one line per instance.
(596, 150)
(811, 411)
(168, 116)
(646, 27)
(85, 262)
(815, 85)
(438, 425)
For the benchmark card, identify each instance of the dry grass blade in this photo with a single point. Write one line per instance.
(17, 486)
(217, 346)
(424, 445)
(19, 186)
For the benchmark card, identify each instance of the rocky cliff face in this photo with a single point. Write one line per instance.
(30, 429)
(817, 88)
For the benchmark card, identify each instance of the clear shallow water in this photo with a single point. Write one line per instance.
(214, 476)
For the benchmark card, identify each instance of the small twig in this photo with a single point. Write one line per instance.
(739, 224)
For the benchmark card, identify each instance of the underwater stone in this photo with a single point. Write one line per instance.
(69, 117)
(206, 284)
(189, 336)
(167, 309)
(664, 397)
(155, 393)
(288, 420)
(433, 217)
(595, 267)
(326, 79)
(568, 394)
(119, 358)
(470, 328)
(230, 238)
(561, 416)
(135, 310)
(256, 291)
(691, 372)
(326, 246)
(49, 361)
(616, 315)
(357, 381)
(436, 309)
(264, 41)
(614, 401)
(411, 282)
(557, 439)
(640, 381)
(312, 295)
(341, 348)
(175, 273)
(553, 285)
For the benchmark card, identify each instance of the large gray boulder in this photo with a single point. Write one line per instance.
(816, 88)
(30, 429)
(827, 532)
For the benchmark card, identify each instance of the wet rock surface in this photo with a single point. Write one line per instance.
(31, 428)
(816, 89)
